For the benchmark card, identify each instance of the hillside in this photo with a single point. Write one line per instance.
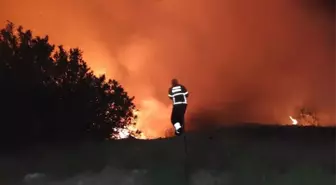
(258, 155)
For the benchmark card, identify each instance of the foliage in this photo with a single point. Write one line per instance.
(49, 93)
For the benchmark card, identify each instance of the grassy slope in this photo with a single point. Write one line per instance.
(235, 156)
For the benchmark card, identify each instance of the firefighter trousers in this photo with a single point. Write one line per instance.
(177, 116)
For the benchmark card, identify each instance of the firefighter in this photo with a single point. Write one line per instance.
(179, 96)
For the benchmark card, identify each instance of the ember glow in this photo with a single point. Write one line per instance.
(127, 132)
(236, 57)
(294, 121)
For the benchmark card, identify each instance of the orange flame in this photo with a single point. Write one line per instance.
(152, 112)
(294, 121)
(153, 115)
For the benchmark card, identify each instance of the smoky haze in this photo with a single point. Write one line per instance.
(241, 60)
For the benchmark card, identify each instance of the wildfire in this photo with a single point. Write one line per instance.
(151, 122)
(305, 118)
(129, 130)
(294, 121)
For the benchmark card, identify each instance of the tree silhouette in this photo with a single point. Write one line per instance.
(50, 94)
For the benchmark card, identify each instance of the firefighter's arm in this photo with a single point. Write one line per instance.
(170, 95)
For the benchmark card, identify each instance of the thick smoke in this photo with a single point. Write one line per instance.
(242, 60)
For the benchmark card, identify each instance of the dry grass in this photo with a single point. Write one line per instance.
(232, 156)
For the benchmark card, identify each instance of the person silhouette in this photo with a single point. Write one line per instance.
(178, 93)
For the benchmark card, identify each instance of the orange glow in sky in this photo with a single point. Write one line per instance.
(241, 60)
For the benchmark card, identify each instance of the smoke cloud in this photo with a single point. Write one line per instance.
(241, 60)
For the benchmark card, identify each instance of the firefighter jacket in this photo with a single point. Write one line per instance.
(178, 94)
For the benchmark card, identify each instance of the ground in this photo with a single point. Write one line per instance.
(251, 155)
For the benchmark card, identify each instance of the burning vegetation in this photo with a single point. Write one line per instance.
(129, 130)
(240, 57)
(305, 118)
